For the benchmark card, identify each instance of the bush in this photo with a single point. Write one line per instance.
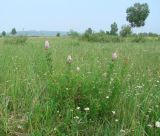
(138, 39)
(3, 33)
(73, 34)
(158, 38)
(125, 31)
(15, 40)
(58, 34)
(101, 37)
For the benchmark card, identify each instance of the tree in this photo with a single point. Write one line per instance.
(114, 29)
(73, 33)
(58, 34)
(102, 32)
(13, 32)
(89, 31)
(107, 32)
(137, 14)
(125, 30)
(3, 33)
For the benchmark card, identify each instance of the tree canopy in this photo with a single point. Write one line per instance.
(114, 29)
(125, 30)
(3, 33)
(13, 32)
(137, 14)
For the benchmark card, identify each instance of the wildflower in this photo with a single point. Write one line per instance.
(116, 120)
(86, 109)
(67, 89)
(46, 45)
(69, 59)
(149, 125)
(122, 131)
(107, 97)
(157, 124)
(113, 112)
(78, 108)
(114, 56)
(55, 129)
(76, 117)
(104, 75)
(78, 69)
(19, 127)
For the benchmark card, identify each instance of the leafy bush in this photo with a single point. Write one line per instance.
(15, 40)
(125, 31)
(58, 34)
(101, 37)
(73, 34)
(3, 33)
(138, 39)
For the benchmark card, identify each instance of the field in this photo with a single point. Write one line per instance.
(43, 95)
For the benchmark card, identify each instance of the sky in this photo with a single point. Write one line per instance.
(78, 15)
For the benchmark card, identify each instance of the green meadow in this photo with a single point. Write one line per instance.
(41, 94)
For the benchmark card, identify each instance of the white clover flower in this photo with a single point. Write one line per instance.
(86, 109)
(114, 56)
(78, 69)
(19, 127)
(46, 44)
(69, 59)
(116, 120)
(76, 117)
(107, 97)
(78, 108)
(113, 112)
(55, 129)
(157, 124)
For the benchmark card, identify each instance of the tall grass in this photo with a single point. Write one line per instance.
(42, 95)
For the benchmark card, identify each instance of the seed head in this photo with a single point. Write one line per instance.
(46, 45)
(78, 69)
(69, 59)
(114, 56)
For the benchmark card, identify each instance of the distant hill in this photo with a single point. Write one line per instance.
(41, 33)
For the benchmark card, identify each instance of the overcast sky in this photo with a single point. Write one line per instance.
(63, 15)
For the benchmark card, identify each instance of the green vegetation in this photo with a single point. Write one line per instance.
(21, 40)
(45, 93)
(13, 32)
(125, 31)
(58, 34)
(3, 33)
(137, 14)
(114, 29)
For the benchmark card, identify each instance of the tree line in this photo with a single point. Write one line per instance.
(13, 32)
(136, 16)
